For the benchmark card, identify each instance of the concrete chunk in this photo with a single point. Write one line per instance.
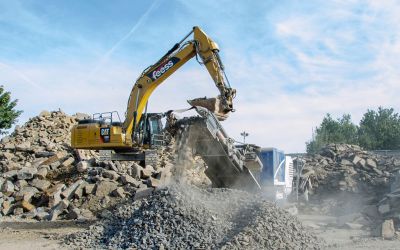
(69, 192)
(104, 188)
(143, 192)
(58, 156)
(26, 173)
(68, 162)
(40, 184)
(126, 179)
(7, 188)
(27, 206)
(110, 174)
(388, 231)
(119, 192)
(58, 209)
(54, 194)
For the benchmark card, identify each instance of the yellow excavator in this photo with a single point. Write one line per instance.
(141, 130)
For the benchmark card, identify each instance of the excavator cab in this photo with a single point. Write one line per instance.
(150, 130)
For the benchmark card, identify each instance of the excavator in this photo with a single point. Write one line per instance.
(140, 133)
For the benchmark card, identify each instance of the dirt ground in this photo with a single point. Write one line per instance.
(32, 235)
(19, 235)
(342, 238)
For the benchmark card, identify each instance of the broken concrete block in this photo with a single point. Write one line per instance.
(27, 206)
(24, 146)
(8, 188)
(55, 165)
(371, 163)
(41, 184)
(54, 194)
(146, 173)
(143, 192)
(104, 188)
(8, 207)
(18, 211)
(26, 173)
(79, 191)
(10, 174)
(153, 182)
(110, 174)
(119, 192)
(126, 179)
(384, 208)
(387, 230)
(21, 183)
(82, 166)
(68, 193)
(26, 193)
(42, 173)
(58, 156)
(9, 146)
(88, 189)
(136, 170)
(356, 159)
(58, 209)
(73, 213)
(68, 162)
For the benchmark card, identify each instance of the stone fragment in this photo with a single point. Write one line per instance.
(119, 192)
(25, 146)
(57, 157)
(10, 174)
(41, 173)
(8, 188)
(143, 192)
(136, 170)
(79, 191)
(41, 184)
(88, 189)
(68, 193)
(371, 163)
(73, 213)
(9, 146)
(54, 194)
(26, 193)
(387, 230)
(27, 206)
(356, 159)
(26, 173)
(18, 211)
(126, 179)
(21, 183)
(146, 173)
(82, 166)
(384, 208)
(55, 165)
(58, 209)
(110, 174)
(104, 188)
(8, 207)
(153, 182)
(68, 162)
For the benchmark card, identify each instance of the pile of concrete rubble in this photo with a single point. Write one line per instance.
(186, 217)
(356, 185)
(42, 177)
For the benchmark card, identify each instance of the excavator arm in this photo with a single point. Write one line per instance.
(206, 52)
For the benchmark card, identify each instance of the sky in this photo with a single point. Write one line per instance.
(290, 61)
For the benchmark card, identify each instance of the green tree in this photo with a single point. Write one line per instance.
(8, 114)
(380, 129)
(341, 130)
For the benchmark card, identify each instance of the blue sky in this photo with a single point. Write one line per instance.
(290, 61)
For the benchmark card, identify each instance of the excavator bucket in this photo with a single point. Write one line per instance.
(213, 104)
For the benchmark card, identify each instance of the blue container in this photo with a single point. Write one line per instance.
(273, 161)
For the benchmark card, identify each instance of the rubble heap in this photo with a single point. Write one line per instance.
(185, 217)
(42, 177)
(351, 183)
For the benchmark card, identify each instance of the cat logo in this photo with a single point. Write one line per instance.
(105, 135)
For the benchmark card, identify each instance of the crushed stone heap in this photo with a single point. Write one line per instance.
(183, 217)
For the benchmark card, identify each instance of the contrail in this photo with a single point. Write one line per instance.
(107, 55)
(20, 75)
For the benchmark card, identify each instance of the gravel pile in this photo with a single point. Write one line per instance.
(186, 217)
